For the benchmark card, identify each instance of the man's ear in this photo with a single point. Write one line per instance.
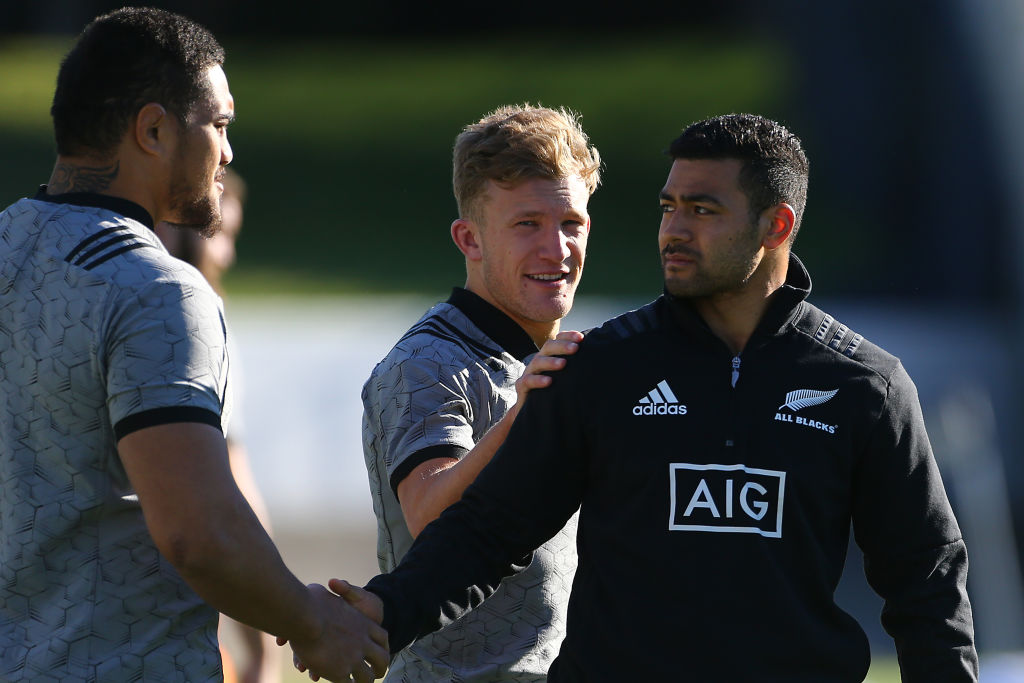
(466, 235)
(154, 129)
(781, 219)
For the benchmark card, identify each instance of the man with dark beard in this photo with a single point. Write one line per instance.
(719, 443)
(122, 531)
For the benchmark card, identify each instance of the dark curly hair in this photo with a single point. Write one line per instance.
(775, 166)
(122, 61)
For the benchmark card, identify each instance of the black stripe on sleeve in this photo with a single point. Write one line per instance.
(162, 416)
(420, 457)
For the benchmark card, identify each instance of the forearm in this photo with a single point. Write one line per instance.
(235, 567)
(452, 567)
(928, 614)
(203, 526)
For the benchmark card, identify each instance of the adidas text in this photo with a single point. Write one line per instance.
(660, 409)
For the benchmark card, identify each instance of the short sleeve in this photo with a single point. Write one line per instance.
(166, 356)
(418, 404)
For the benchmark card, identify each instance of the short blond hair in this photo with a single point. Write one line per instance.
(518, 142)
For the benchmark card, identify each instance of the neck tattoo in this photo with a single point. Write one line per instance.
(70, 178)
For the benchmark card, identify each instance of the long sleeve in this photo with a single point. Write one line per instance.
(915, 557)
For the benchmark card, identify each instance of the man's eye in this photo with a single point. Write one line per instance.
(667, 208)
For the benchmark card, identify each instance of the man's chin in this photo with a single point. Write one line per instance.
(553, 310)
(205, 231)
(678, 288)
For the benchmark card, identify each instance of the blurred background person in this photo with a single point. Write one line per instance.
(250, 656)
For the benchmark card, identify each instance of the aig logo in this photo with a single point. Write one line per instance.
(726, 499)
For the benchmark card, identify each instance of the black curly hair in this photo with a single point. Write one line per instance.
(122, 61)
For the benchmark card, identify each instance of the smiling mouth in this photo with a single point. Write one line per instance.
(548, 277)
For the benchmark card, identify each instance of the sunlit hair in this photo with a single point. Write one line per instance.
(516, 143)
(774, 167)
(121, 62)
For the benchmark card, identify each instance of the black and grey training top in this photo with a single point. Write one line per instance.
(717, 495)
(443, 385)
(102, 333)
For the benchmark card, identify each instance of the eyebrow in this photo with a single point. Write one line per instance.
(691, 198)
(540, 214)
(229, 117)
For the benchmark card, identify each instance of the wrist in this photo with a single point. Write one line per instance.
(310, 624)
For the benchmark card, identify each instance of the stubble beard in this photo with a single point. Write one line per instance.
(733, 273)
(194, 211)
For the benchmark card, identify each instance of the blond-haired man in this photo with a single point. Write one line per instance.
(441, 402)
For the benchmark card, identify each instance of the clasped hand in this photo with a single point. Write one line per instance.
(352, 645)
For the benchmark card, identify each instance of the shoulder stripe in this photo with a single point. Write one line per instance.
(619, 327)
(649, 316)
(116, 239)
(89, 240)
(823, 327)
(837, 338)
(852, 347)
(633, 322)
(483, 348)
(111, 254)
(453, 335)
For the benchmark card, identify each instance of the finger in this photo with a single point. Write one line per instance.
(545, 363)
(379, 658)
(569, 335)
(341, 587)
(528, 382)
(556, 347)
(379, 636)
(362, 673)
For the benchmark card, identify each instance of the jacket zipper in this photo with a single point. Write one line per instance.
(729, 441)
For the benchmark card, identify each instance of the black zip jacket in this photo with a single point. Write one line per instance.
(717, 495)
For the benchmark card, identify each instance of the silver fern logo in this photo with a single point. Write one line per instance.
(805, 398)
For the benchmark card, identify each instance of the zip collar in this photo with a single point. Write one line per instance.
(502, 329)
(781, 312)
(122, 207)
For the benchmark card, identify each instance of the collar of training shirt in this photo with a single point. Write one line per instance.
(492, 322)
(783, 309)
(123, 207)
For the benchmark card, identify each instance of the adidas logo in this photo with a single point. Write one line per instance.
(659, 401)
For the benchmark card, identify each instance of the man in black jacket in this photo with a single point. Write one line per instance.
(719, 441)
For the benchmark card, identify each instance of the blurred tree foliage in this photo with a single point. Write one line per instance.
(347, 147)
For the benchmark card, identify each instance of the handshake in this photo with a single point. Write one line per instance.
(351, 644)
